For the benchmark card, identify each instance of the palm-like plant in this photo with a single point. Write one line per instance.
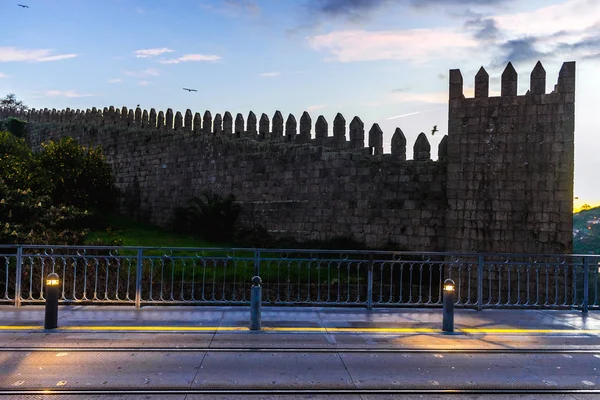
(210, 216)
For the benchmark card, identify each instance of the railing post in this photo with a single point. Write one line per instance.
(257, 262)
(138, 279)
(480, 283)
(586, 283)
(370, 283)
(19, 274)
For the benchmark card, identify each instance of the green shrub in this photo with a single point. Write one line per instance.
(80, 176)
(15, 126)
(209, 216)
(27, 217)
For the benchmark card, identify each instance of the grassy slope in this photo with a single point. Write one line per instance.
(136, 234)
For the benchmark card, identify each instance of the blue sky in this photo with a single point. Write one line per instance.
(378, 59)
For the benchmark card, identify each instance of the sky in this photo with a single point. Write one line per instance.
(385, 61)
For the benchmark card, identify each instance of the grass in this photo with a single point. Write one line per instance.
(133, 233)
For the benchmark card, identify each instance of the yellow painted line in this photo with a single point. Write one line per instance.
(19, 327)
(301, 329)
(515, 330)
(292, 329)
(386, 330)
(154, 328)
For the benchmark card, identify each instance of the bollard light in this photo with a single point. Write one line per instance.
(255, 303)
(448, 306)
(52, 281)
(52, 289)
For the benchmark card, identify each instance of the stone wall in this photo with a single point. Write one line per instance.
(503, 181)
(510, 164)
(304, 190)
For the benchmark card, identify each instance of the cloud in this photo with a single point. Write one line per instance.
(143, 83)
(483, 28)
(518, 50)
(152, 52)
(351, 9)
(191, 57)
(66, 93)
(414, 113)
(116, 80)
(270, 74)
(3, 75)
(316, 107)
(233, 8)
(415, 45)
(452, 3)
(146, 72)
(570, 15)
(13, 54)
(358, 10)
(140, 10)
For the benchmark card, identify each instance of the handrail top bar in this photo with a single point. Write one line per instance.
(268, 250)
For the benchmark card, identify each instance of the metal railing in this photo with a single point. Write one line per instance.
(145, 275)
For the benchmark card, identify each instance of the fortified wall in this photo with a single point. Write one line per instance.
(503, 181)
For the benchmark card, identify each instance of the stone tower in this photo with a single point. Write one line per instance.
(510, 165)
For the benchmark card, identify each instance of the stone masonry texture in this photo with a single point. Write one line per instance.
(503, 181)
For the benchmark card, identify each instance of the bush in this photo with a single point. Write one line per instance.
(209, 216)
(80, 176)
(28, 217)
(15, 126)
(51, 197)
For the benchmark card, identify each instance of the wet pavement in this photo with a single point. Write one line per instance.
(299, 348)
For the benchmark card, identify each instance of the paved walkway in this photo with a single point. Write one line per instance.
(190, 350)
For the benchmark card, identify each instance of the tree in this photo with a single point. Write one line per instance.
(585, 207)
(10, 103)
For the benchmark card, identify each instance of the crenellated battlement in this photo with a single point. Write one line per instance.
(509, 81)
(264, 130)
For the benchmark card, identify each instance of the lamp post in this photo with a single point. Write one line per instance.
(448, 306)
(51, 319)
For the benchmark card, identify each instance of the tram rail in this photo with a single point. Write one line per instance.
(281, 392)
(322, 350)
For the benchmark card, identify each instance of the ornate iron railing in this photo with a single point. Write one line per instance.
(145, 275)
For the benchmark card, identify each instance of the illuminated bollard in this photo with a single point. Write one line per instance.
(448, 307)
(51, 319)
(255, 303)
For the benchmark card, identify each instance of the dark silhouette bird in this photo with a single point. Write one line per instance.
(190, 90)
(434, 130)
(22, 5)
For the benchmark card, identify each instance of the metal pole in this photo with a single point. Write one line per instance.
(52, 289)
(19, 272)
(480, 283)
(370, 283)
(138, 279)
(448, 307)
(255, 304)
(586, 284)
(257, 263)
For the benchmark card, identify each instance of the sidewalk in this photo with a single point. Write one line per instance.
(313, 325)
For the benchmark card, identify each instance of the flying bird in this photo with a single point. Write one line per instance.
(22, 5)
(190, 90)
(434, 130)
